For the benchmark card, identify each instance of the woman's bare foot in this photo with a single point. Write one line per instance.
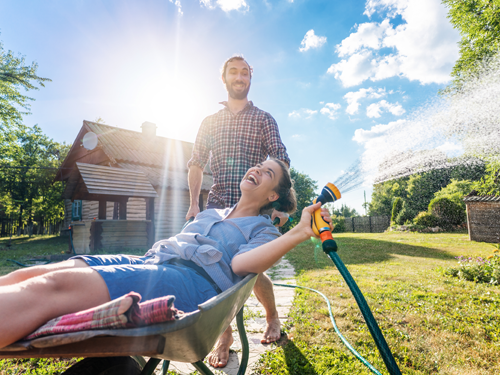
(272, 332)
(219, 355)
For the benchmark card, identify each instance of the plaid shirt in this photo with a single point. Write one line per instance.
(234, 143)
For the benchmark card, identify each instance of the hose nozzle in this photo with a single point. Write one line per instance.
(321, 228)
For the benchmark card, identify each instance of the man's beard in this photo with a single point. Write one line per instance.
(238, 96)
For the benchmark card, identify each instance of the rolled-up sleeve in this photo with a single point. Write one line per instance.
(202, 146)
(271, 139)
(262, 237)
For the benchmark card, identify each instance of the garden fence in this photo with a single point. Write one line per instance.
(367, 224)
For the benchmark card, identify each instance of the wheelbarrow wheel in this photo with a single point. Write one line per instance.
(105, 366)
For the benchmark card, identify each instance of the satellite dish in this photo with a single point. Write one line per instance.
(89, 140)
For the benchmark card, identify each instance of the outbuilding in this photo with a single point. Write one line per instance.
(126, 188)
(483, 217)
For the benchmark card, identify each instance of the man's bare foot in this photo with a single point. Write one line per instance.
(219, 355)
(272, 332)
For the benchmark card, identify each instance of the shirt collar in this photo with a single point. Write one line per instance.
(248, 106)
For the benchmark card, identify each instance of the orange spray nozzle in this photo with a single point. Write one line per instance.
(321, 228)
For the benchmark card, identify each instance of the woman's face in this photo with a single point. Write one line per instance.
(261, 180)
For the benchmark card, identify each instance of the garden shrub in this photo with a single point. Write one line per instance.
(456, 190)
(490, 183)
(405, 216)
(479, 270)
(448, 211)
(338, 223)
(426, 219)
(397, 205)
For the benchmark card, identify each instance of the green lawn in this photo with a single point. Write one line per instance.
(432, 323)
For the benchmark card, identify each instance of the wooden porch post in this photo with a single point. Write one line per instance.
(102, 209)
(122, 210)
(150, 215)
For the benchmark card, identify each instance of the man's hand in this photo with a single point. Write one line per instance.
(282, 215)
(192, 212)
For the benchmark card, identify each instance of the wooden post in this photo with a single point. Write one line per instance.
(353, 224)
(468, 221)
(115, 211)
(370, 222)
(150, 215)
(102, 210)
(95, 236)
(122, 210)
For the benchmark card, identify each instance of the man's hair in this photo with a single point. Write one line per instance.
(287, 201)
(233, 58)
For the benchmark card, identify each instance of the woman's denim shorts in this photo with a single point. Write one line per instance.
(123, 274)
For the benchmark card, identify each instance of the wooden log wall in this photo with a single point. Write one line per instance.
(120, 234)
(81, 236)
(171, 208)
(483, 219)
(367, 224)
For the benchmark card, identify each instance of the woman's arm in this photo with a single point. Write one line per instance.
(263, 257)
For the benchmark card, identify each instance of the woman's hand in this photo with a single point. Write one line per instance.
(304, 226)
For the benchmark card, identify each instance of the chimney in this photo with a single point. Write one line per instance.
(148, 129)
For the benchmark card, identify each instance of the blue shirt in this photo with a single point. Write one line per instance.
(212, 241)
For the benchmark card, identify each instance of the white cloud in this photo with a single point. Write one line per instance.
(375, 109)
(424, 48)
(311, 41)
(302, 113)
(330, 110)
(450, 148)
(365, 136)
(353, 98)
(177, 3)
(225, 5)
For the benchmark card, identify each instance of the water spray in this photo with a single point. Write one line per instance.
(321, 228)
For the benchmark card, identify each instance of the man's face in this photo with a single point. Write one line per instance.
(237, 79)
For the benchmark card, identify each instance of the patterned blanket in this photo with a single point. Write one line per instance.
(123, 312)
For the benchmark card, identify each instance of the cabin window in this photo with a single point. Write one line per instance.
(76, 214)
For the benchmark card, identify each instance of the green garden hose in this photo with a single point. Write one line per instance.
(373, 327)
(344, 340)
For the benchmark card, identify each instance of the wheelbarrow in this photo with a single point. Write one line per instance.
(121, 351)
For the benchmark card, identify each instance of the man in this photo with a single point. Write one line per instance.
(234, 139)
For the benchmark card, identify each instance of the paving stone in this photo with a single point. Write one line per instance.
(283, 273)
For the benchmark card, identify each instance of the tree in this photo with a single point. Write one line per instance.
(28, 163)
(383, 196)
(14, 76)
(305, 188)
(478, 22)
(490, 183)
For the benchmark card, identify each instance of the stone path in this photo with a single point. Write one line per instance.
(255, 324)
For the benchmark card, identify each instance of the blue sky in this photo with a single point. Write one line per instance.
(330, 72)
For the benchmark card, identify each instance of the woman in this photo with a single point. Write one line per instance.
(212, 253)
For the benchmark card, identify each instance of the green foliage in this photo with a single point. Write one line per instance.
(344, 210)
(397, 206)
(477, 269)
(305, 188)
(447, 211)
(28, 164)
(490, 183)
(384, 194)
(426, 219)
(478, 22)
(405, 216)
(338, 222)
(14, 76)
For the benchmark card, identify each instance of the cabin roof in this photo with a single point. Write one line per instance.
(91, 179)
(482, 198)
(162, 160)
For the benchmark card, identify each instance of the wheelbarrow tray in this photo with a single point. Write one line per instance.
(188, 339)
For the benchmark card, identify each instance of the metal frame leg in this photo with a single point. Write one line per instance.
(245, 348)
(150, 366)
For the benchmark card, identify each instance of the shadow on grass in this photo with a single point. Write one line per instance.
(295, 360)
(353, 250)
